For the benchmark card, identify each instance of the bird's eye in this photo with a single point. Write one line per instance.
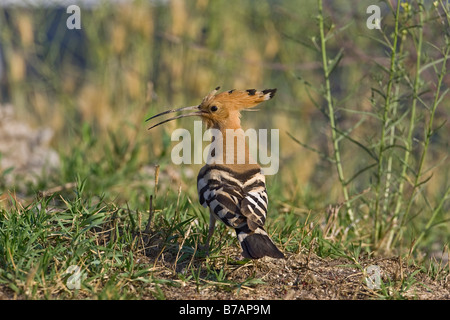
(214, 108)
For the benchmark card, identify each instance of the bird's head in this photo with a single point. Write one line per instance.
(222, 111)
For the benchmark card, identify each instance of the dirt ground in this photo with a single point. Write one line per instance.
(298, 277)
(307, 276)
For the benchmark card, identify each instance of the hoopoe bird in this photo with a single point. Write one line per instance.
(234, 191)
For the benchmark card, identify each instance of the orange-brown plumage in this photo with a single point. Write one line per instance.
(229, 105)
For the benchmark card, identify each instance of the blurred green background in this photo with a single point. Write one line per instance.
(94, 87)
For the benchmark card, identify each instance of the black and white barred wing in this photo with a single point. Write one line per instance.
(223, 195)
(240, 201)
(234, 197)
(254, 204)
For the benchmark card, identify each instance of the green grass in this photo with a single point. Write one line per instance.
(40, 242)
(364, 149)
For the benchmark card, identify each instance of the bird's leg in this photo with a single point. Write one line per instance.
(212, 223)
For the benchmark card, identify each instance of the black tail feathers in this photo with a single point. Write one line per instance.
(258, 245)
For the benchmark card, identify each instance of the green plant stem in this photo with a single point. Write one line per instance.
(387, 107)
(334, 137)
(409, 140)
(389, 169)
(433, 216)
(429, 133)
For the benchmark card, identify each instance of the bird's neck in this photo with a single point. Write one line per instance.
(234, 152)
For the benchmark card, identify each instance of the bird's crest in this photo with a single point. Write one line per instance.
(221, 110)
(239, 99)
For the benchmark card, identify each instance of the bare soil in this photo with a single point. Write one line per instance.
(305, 276)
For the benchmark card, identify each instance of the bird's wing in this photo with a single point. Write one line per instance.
(254, 207)
(236, 199)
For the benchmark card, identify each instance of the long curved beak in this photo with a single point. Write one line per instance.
(198, 113)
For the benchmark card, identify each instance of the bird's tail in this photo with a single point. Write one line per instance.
(257, 244)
